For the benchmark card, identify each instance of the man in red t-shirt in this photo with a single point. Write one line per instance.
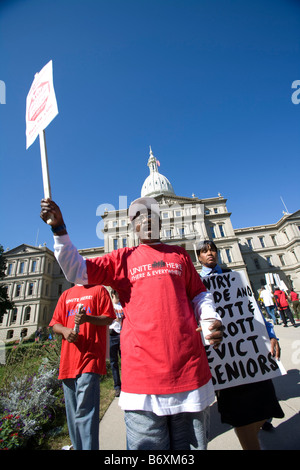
(166, 381)
(83, 358)
(294, 298)
(283, 306)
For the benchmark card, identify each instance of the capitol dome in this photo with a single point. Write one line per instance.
(156, 183)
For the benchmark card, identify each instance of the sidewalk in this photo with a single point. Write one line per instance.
(286, 433)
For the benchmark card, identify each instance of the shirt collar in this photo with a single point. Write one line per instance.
(205, 271)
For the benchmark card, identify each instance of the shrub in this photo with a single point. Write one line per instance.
(29, 403)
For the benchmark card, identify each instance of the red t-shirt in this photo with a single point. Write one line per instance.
(87, 354)
(294, 296)
(281, 299)
(161, 351)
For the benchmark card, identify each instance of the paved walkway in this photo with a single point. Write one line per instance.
(286, 433)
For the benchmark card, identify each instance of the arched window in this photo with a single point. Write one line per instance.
(27, 314)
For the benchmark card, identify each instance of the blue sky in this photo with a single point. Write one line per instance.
(207, 84)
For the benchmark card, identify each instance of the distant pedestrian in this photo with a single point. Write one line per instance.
(114, 341)
(267, 298)
(294, 298)
(38, 335)
(283, 306)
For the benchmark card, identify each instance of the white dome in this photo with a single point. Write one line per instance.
(156, 183)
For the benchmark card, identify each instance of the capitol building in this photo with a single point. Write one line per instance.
(268, 254)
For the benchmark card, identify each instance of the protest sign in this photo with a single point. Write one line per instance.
(244, 355)
(41, 105)
(41, 109)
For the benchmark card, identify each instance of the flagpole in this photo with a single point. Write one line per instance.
(45, 168)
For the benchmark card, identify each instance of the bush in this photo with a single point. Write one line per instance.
(29, 403)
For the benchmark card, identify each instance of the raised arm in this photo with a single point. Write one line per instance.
(71, 262)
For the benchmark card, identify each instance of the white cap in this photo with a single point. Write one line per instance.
(141, 205)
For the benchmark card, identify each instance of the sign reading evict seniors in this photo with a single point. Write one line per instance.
(41, 105)
(244, 355)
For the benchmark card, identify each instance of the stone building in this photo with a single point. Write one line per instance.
(34, 282)
(267, 252)
(258, 251)
(273, 250)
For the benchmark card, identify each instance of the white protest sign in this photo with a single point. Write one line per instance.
(244, 355)
(41, 105)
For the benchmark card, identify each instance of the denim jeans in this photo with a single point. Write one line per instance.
(82, 401)
(183, 431)
(271, 312)
(114, 353)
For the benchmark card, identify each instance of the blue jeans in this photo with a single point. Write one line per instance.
(183, 431)
(114, 353)
(82, 400)
(271, 312)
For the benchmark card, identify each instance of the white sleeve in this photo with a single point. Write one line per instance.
(204, 307)
(71, 262)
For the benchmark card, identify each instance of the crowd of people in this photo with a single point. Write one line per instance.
(278, 303)
(158, 300)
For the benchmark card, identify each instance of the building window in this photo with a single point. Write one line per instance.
(115, 241)
(30, 288)
(27, 314)
(269, 260)
(273, 238)
(256, 262)
(14, 316)
(262, 242)
(215, 210)
(10, 334)
(249, 243)
(9, 269)
(228, 254)
(124, 242)
(33, 266)
(281, 258)
(21, 270)
(168, 233)
(221, 231)
(18, 290)
(181, 232)
(212, 231)
(177, 213)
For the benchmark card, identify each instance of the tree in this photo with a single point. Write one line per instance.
(5, 302)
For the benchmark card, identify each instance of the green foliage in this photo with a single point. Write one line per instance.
(30, 402)
(32, 411)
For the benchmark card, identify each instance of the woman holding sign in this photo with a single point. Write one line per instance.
(245, 407)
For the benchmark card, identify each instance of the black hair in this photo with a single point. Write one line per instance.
(204, 245)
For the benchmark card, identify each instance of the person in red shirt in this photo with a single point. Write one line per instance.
(166, 381)
(283, 306)
(294, 298)
(82, 358)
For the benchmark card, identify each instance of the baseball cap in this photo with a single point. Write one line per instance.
(142, 204)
